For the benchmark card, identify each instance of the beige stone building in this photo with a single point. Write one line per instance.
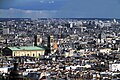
(32, 51)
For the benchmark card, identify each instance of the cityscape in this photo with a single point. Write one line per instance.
(59, 40)
(60, 49)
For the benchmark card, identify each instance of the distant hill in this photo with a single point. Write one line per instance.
(16, 19)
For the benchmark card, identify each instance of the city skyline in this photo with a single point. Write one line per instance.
(59, 9)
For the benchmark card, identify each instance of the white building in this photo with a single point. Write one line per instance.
(6, 31)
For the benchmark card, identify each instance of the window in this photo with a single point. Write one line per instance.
(39, 54)
(33, 54)
(14, 53)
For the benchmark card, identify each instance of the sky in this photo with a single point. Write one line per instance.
(59, 8)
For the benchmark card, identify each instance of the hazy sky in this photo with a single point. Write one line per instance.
(60, 8)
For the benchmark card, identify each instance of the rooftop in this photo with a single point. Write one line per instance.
(26, 48)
